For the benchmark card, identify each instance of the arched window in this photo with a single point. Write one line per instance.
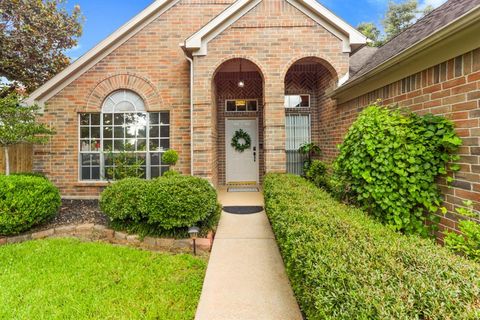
(124, 134)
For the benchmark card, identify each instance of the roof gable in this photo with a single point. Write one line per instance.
(100, 51)
(198, 42)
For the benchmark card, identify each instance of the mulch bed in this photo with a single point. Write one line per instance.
(76, 212)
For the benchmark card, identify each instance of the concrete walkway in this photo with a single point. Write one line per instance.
(246, 277)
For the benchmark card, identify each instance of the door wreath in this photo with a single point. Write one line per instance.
(237, 142)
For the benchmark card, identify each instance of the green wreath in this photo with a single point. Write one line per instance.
(241, 135)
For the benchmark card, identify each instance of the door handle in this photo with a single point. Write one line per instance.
(254, 154)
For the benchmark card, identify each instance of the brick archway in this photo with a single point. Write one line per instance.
(133, 82)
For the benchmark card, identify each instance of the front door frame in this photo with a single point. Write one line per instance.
(227, 145)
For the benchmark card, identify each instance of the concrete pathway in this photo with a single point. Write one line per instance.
(246, 278)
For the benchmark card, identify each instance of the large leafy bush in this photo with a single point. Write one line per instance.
(390, 161)
(26, 201)
(163, 206)
(345, 265)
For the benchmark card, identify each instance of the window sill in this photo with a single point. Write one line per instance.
(92, 184)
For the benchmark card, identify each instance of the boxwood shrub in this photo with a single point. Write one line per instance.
(26, 201)
(163, 206)
(344, 265)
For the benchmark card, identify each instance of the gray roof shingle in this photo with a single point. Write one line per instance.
(426, 26)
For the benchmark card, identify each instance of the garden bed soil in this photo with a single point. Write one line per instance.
(75, 212)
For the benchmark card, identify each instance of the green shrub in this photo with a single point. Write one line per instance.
(165, 206)
(170, 157)
(390, 161)
(468, 242)
(26, 201)
(170, 174)
(342, 264)
(180, 201)
(317, 172)
(29, 174)
(124, 199)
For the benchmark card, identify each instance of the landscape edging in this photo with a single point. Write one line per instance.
(98, 232)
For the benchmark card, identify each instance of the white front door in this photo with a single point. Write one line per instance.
(241, 167)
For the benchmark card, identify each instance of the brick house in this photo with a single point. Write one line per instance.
(189, 74)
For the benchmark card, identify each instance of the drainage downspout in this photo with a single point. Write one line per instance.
(191, 111)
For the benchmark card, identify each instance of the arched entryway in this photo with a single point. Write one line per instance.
(238, 94)
(307, 82)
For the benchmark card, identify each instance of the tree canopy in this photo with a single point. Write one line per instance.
(34, 35)
(397, 18)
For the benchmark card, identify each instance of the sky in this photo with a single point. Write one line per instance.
(102, 17)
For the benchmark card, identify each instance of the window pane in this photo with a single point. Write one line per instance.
(130, 118)
(164, 144)
(85, 145)
(155, 159)
(95, 145)
(107, 132)
(129, 145)
(141, 132)
(96, 173)
(154, 144)
(141, 119)
(165, 118)
(154, 172)
(154, 132)
(85, 173)
(107, 119)
(119, 119)
(164, 132)
(130, 132)
(95, 131)
(86, 159)
(118, 132)
(141, 145)
(85, 132)
(108, 158)
(252, 105)
(241, 105)
(95, 159)
(231, 106)
(84, 119)
(118, 145)
(95, 119)
(154, 118)
(107, 145)
(164, 169)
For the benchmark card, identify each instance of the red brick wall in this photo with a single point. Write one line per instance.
(152, 64)
(291, 36)
(451, 89)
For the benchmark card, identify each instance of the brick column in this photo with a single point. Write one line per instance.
(274, 126)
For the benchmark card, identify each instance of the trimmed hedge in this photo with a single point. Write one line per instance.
(26, 201)
(163, 206)
(344, 265)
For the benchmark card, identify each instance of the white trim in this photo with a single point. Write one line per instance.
(351, 38)
(99, 52)
(344, 79)
(199, 40)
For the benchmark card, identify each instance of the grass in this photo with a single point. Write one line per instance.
(70, 279)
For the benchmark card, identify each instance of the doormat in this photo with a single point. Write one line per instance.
(246, 189)
(243, 209)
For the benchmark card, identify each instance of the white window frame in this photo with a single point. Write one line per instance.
(296, 95)
(246, 101)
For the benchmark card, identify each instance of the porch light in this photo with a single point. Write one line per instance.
(241, 83)
(193, 232)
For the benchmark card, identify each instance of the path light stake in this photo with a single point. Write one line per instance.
(193, 232)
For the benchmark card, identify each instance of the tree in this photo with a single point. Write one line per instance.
(34, 35)
(370, 30)
(18, 125)
(401, 16)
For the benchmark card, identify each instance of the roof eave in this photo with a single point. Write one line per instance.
(469, 19)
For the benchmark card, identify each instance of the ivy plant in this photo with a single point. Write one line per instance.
(390, 161)
(468, 242)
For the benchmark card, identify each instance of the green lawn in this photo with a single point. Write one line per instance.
(69, 279)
